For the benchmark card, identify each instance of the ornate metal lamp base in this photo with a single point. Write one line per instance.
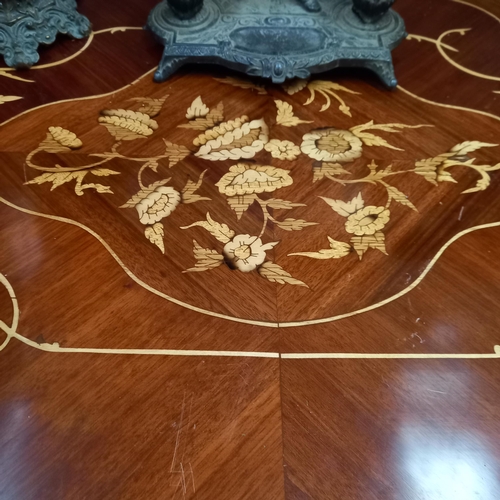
(24, 24)
(278, 39)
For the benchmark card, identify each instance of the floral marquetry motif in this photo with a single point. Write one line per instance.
(249, 179)
(259, 193)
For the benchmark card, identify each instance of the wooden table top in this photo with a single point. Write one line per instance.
(216, 288)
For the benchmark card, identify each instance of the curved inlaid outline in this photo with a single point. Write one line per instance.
(130, 274)
(441, 46)
(231, 318)
(289, 324)
(9, 72)
(478, 8)
(75, 99)
(447, 58)
(449, 106)
(11, 332)
(46, 347)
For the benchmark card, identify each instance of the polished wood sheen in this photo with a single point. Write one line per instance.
(218, 288)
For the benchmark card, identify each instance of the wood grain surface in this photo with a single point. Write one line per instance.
(217, 288)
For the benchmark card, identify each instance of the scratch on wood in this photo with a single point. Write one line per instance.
(183, 477)
(192, 477)
(177, 439)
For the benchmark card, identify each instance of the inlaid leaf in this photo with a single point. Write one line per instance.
(294, 224)
(369, 139)
(328, 170)
(481, 185)
(282, 204)
(220, 231)
(378, 173)
(57, 178)
(197, 109)
(294, 86)
(103, 172)
(362, 243)
(149, 105)
(205, 258)
(204, 122)
(329, 89)
(60, 140)
(155, 235)
(485, 179)
(9, 98)
(189, 192)
(470, 146)
(285, 116)
(337, 250)
(276, 274)
(241, 203)
(345, 208)
(80, 188)
(175, 153)
(127, 125)
(233, 140)
(235, 82)
(143, 193)
(428, 168)
(397, 195)
(375, 140)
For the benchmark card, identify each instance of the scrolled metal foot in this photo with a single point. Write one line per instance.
(24, 24)
(384, 70)
(168, 66)
(269, 39)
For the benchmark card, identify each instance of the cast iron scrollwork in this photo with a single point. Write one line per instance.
(24, 24)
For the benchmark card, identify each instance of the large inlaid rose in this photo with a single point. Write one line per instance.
(332, 145)
(158, 204)
(249, 179)
(247, 252)
(368, 220)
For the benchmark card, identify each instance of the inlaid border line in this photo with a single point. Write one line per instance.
(355, 355)
(74, 99)
(449, 106)
(55, 347)
(290, 324)
(478, 8)
(8, 72)
(131, 275)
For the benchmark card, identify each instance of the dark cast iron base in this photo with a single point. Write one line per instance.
(278, 39)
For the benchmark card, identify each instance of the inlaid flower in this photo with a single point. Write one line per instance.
(368, 220)
(332, 145)
(247, 252)
(283, 150)
(158, 204)
(249, 179)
